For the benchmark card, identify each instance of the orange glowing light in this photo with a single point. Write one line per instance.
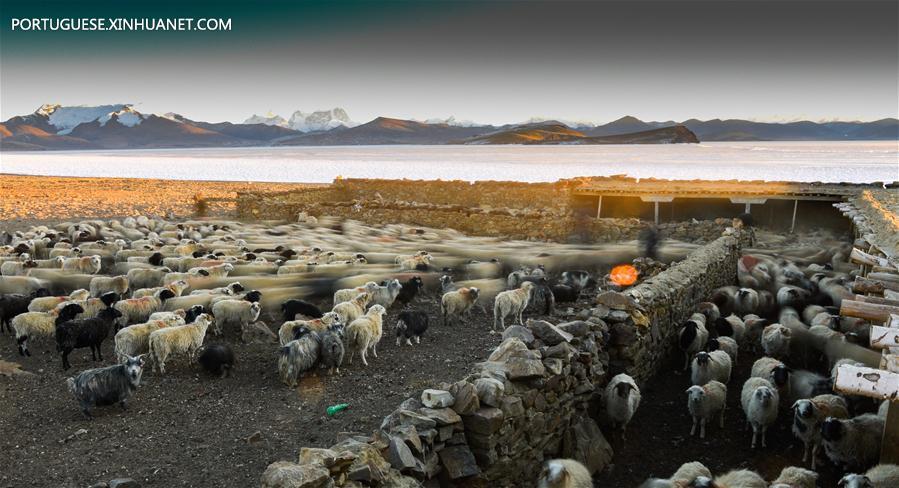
(624, 275)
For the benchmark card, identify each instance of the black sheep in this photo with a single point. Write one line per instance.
(14, 304)
(68, 312)
(192, 313)
(217, 359)
(252, 296)
(409, 290)
(292, 307)
(409, 324)
(155, 259)
(80, 333)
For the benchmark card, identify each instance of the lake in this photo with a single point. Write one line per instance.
(857, 162)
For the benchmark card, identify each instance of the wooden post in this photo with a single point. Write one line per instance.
(874, 312)
(869, 382)
(889, 447)
(868, 285)
(599, 207)
(657, 213)
(882, 301)
(891, 295)
(884, 337)
(748, 205)
(793, 222)
(858, 256)
(891, 277)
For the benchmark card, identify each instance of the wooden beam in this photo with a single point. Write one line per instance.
(874, 312)
(599, 207)
(880, 300)
(858, 256)
(868, 382)
(888, 277)
(884, 337)
(889, 446)
(891, 295)
(793, 222)
(868, 285)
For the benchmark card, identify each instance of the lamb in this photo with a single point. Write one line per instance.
(853, 443)
(880, 476)
(741, 478)
(409, 290)
(705, 402)
(511, 302)
(331, 348)
(808, 416)
(759, 400)
(138, 310)
(710, 311)
(105, 284)
(564, 473)
(353, 309)
(411, 324)
(181, 339)
(364, 333)
(217, 359)
(293, 307)
(622, 398)
(709, 366)
(47, 303)
(386, 295)
(87, 264)
(147, 277)
(458, 303)
(736, 325)
(684, 476)
(80, 333)
(135, 339)
(692, 339)
(288, 329)
(31, 325)
(14, 304)
(795, 477)
(240, 312)
(298, 356)
(348, 294)
(727, 345)
(776, 341)
(107, 386)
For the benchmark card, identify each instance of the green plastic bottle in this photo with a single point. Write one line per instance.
(333, 409)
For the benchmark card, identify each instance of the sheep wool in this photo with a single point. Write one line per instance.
(182, 339)
(134, 340)
(759, 400)
(809, 414)
(564, 473)
(709, 366)
(880, 476)
(705, 402)
(353, 309)
(364, 333)
(622, 398)
(511, 302)
(796, 477)
(457, 303)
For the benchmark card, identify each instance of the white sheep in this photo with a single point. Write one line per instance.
(135, 339)
(34, 325)
(239, 312)
(564, 473)
(348, 294)
(147, 277)
(217, 271)
(808, 416)
(726, 344)
(176, 287)
(286, 332)
(106, 284)
(45, 304)
(17, 268)
(511, 302)
(880, 476)
(386, 295)
(353, 309)
(707, 366)
(759, 400)
(232, 289)
(621, 398)
(180, 339)
(458, 303)
(86, 264)
(776, 341)
(692, 338)
(416, 262)
(855, 442)
(365, 332)
(683, 477)
(740, 478)
(138, 310)
(705, 402)
(168, 315)
(795, 477)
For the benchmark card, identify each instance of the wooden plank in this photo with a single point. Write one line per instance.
(858, 256)
(869, 382)
(889, 450)
(884, 337)
(868, 311)
(894, 320)
(887, 277)
(891, 295)
(868, 285)
(880, 300)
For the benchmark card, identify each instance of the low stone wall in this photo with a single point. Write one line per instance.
(644, 319)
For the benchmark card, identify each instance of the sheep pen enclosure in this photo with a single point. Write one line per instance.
(190, 428)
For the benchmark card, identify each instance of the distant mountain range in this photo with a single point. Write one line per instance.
(120, 126)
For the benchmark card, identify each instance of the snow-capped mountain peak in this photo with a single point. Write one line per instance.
(268, 119)
(319, 120)
(65, 119)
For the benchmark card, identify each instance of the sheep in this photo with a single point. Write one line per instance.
(31, 325)
(880, 476)
(577, 279)
(710, 311)
(511, 302)
(80, 333)
(564, 473)
(287, 330)
(107, 386)
(353, 309)
(446, 284)
(793, 296)
(135, 339)
(727, 345)
(348, 294)
(232, 289)
(138, 310)
(741, 478)
(684, 476)
(386, 295)
(735, 324)
(365, 332)
(93, 306)
(853, 443)
(746, 301)
(45, 304)
(776, 341)
(759, 400)
(176, 315)
(14, 304)
(419, 263)
(147, 278)
(240, 312)
(298, 356)
(217, 359)
(704, 402)
(180, 339)
(331, 348)
(622, 398)
(293, 307)
(692, 339)
(409, 290)
(707, 366)
(104, 284)
(806, 384)
(176, 287)
(411, 324)
(87, 264)
(18, 268)
(458, 303)
(809, 415)
(795, 477)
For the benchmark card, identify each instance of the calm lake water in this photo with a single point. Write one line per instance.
(788, 161)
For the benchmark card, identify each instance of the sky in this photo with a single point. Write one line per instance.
(487, 61)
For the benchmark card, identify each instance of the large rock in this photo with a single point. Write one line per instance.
(520, 333)
(312, 455)
(622, 334)
(617, 301)
(584, 442)
(490, 391)
(548, 333)
(436, 398)
(486, 420)
(578, 328)
(419, 421)
(520, 368)
(512, 348)
(443, 416)
(400, 456)
(465, 397)
(284, 474)
(459, 462)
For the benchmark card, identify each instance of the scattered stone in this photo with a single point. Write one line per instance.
(437, 398)
(520, 333)
(465, 397)
(486, 420)
(577, 328)
(417, 420)
(400, 456)
(489, 391)
(459, 462)
(584, 442)
(443, 416)
(123, 483)
(548, 333)
(312, 455)
(284, 474)
(255, 438)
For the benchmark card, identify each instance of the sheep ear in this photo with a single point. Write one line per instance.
(795, 404)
